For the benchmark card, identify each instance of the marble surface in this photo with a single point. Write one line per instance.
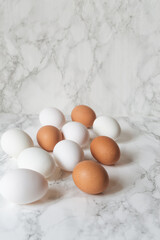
(105, 54)
(66, 52)
(129, 209)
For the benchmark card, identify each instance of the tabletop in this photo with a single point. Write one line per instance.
(128, 209)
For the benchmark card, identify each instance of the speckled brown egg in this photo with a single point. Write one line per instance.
(84, 115)
(48, 137)
(105, 150)
(90, 177)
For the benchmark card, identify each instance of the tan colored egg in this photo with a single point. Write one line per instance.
(90, 177)
(105, 150)
(84, 115)
(48, 137)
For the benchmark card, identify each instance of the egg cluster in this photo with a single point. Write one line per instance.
(65, 141)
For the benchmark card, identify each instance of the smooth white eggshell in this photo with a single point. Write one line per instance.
(67, 154)
(106, 126)
(23, 186)
(76, 132)
(52, 116)
(14, 141)
(36, 159)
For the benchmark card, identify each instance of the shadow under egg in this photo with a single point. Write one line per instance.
(114, 186)
(58, 174)
(51, 195)
(125, 136)
(125, 158)
(87, 154)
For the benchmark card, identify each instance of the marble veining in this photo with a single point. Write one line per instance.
(61, 53)
(128, 209)
(105, 54)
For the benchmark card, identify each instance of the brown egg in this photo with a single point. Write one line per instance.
(90, 177)
(84, 115)
(48, 137)
(105, 150)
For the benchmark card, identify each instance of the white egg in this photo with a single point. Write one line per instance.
(36, 159)
(13, 141)
(52, 116)
(67, 154)
(107, 126)
(76, 132)
(23, 186)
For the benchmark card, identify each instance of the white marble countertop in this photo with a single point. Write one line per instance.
(129, 209)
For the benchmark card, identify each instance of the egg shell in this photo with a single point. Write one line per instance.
(23, 186)
(48, 137)
(84, 115)
(36, 159)
(90, 177)
(107, 126)
(52, 116)
(105, 150)
(76, 132)
(67, 154)
(14, 141)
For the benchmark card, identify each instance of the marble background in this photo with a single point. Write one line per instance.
(61, 53)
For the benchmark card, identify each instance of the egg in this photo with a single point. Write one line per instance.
(48, 137)
(84, 115)
(52, 116)
(76, 132)
(67, 154)
(107, 126)
(105, 150)
(13, 141)
(90, 177)
(23, 186)
(36, 159)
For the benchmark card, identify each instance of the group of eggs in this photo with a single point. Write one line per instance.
(66, 142)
